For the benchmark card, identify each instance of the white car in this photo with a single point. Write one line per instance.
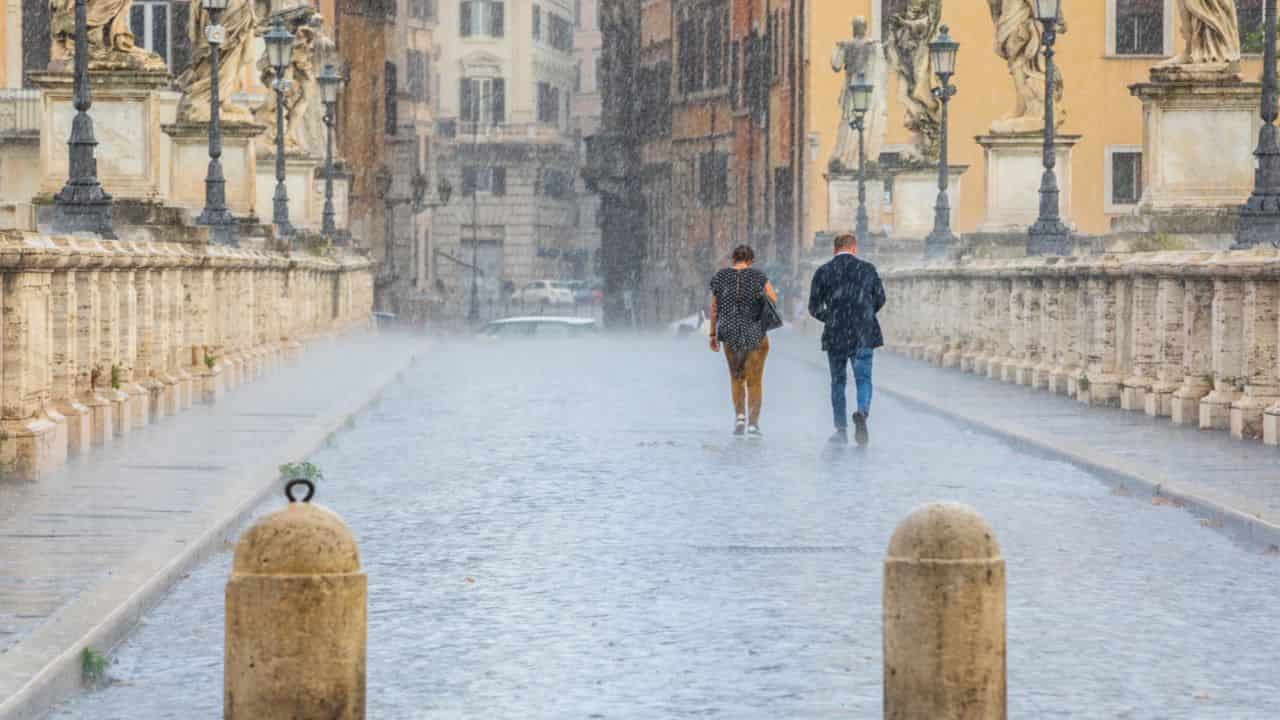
(543, 292)
(543, 328)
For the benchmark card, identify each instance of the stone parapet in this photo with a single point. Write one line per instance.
(1193, 336)
(102, 337)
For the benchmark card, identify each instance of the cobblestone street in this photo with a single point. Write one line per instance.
(568, 530)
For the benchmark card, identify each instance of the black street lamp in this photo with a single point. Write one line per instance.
(330, 82)
(859, 103)
(1049, 235)
(216, 216)
(82, 205)
(943, 54)
(1260, 216)
(279, 51)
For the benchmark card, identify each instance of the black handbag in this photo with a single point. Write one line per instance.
(770, 318)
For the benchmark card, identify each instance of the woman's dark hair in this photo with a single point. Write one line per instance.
(744, 254)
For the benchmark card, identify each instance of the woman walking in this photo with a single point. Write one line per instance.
(738, 296)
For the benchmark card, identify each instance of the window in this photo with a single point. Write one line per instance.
(555, 184)
(419, 87)
(713, 179)
(482, 100)
(1249, 15)
(537, 22)
(150, 23)
(1124, 177)
(392, 109)
(490, 179)
(561, 33)
(703, 39)
(423, 10)
(482, 17)
(548, 103)
(1139, 27)
(734, 71)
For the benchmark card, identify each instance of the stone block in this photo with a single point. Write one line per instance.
(1181, 170)
(128, 109)
(239, 166)
(915, 193)
(30, 450)
(1133, 398)
(79, 426)
(1014, 167)
(300, 174)
(1215, 409)
(842, 203)
(1271, 426)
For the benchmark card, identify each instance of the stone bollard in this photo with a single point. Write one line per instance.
(296, 618)
(944, 618)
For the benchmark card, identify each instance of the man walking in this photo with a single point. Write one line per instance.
(845, 296)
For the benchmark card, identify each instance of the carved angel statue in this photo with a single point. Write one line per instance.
(1210, 39)
(111, 43)
(859, 56)
(910, 32)
(1019, 43)
(303, 111)
(238, 21)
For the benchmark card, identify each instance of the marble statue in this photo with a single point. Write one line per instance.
(239, 21)
(910, 32)
(860, 56)
(303, 110)
(1018, 43)
(1210, 41)
(111, 43)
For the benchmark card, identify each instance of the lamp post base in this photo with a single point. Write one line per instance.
(939, 244)
(83, 216)
(1258, 227)
(1048, 238)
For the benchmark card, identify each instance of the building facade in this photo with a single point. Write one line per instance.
(585, 108)
(1108, 46)
(505, 141)
(721, 88)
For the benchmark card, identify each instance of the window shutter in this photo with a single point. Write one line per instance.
(466, 102)
(393, 86)
(464, 17)
(497, 19)
(499, 184)
(499, 100)
(469, 178)
(537, 22)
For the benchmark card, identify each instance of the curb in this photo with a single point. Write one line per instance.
(1218, 513)
(83, 623)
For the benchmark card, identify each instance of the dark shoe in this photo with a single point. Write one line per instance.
(754, 431)
(740, 426)
(840, 437)
(860, 435)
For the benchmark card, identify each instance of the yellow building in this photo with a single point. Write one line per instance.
(1109, 45)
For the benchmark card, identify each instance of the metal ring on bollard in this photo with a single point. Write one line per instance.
(311, 490)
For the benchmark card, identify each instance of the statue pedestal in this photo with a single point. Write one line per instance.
(191, 164)
(300, 177)
(842, 202)
(128, 109)
(1197, 142)
(1014, 167)
(915, 194)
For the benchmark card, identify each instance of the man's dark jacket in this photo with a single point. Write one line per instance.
(845, 295)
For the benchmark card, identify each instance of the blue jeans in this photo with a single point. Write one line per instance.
(862, 360)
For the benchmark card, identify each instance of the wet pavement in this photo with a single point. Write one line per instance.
(569, 531)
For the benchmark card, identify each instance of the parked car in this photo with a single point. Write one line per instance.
(585, 293)
(542, 328)
(543, 292)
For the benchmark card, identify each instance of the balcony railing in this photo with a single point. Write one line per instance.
(19, 113)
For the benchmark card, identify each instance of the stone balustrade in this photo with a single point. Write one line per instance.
(102, 337)
(1193, 336)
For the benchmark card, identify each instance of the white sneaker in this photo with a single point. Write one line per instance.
(740, 426)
